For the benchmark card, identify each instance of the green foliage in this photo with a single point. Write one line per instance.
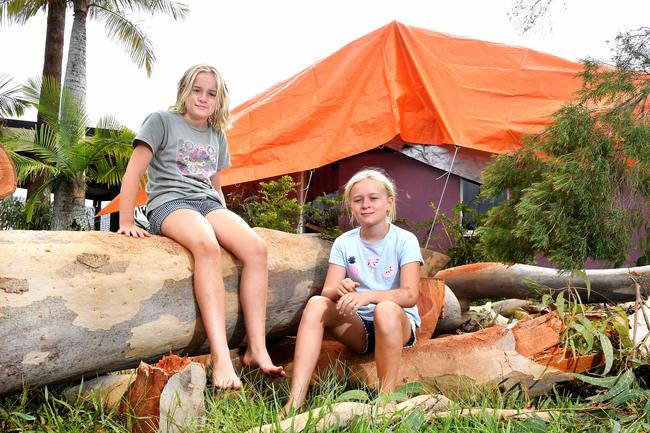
(324, 215)
(591, 331)
(578, 190)
(13, 215)
(272, 208)
(464, 245)
(61, 151)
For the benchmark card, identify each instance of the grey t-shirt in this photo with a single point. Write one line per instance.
(184, 158)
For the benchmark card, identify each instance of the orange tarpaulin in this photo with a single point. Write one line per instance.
(426, 87)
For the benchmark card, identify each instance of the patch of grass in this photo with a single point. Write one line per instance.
(44, 410)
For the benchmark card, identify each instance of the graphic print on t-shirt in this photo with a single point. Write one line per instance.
(196, 161)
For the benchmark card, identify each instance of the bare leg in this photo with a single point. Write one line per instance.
(237, 237)
(319, 314)
(390, 317)
(208, 287)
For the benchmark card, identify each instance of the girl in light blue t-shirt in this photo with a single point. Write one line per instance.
(371, 290)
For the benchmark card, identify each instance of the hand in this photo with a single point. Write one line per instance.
(131, 230)
(351, 302)
(346, 286)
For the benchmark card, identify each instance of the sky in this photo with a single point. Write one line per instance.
(257, 43)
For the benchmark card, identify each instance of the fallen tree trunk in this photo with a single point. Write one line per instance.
(528, 356)
(491, 280)
(80, 303)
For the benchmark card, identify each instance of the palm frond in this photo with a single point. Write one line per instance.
(10, 102)
(129, 36)
(176, 10)
(47, 185)
(28, 168)
(43, 94)
(19, 11)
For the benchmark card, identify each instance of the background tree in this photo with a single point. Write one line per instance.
(65, 156)
(10, 101)
(579, 189)
(20, 11)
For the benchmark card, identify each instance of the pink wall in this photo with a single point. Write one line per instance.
(418, 185)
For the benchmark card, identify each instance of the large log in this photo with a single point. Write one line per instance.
(527, 356)
(84, 303)
(491, 280)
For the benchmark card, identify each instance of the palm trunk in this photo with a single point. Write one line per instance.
(52, 67)
(69, 212)
(75, 73)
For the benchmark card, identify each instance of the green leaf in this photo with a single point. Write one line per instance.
(23, 416)
(605, 382)
(353, 395)
(411, 388)
(623, 384)
(608, 352)
(395, 396)
(627, 395)
(559, 304)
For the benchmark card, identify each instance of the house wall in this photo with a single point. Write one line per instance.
(418, 185)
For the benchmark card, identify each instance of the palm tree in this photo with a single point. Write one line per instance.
(10, 102)
(65, 157)
(20, 11)
(113, 13)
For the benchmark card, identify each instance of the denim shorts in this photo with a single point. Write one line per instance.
(369, 327)
(202, 206)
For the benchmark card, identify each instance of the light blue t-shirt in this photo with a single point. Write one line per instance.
(377, 266)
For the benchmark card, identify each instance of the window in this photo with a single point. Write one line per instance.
(469, 192)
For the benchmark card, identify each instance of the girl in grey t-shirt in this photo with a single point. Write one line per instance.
(182, 150)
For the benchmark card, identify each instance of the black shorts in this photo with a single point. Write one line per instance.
(202, 206)
(369, 326)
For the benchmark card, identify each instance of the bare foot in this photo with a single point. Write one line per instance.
(224, 376)
(264, 363)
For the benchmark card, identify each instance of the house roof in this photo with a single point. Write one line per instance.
(425, 87)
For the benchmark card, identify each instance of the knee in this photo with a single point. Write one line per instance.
(207, 248)
(316, 307)
(388, 316)
(256, 251)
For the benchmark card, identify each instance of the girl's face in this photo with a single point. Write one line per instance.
(369, 203)
(201, 103)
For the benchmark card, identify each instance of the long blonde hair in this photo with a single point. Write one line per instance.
(220, 119)
(379, 176)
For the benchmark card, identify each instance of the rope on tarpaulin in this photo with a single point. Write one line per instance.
(304, 192)
(442, 194)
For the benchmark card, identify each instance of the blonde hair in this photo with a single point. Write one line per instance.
(379, 176)
(220, 119)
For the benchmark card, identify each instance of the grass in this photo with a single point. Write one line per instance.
(44, 410)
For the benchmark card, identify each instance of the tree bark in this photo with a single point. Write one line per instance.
(527, 356)
(69, 210)
(8, 181)
(52, 68)
(83, 303)
(491, 280)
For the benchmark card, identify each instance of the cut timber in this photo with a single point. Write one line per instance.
(491, 280)
(8, 181)
(430, 303)
(492, 356)
(167, 397)
(84, 303)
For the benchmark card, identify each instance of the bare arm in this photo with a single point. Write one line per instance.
(336, 285)
(405, 296)
(136, 168)
(216, 184)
